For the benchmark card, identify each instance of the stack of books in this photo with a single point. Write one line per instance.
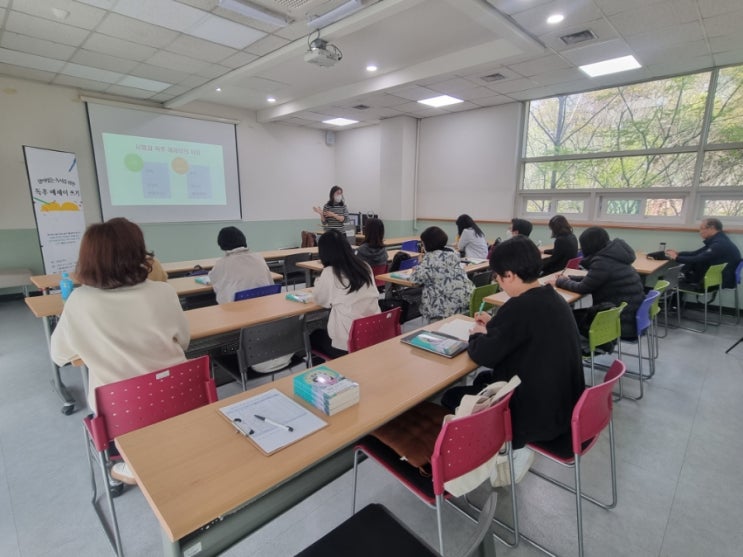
(326, 389)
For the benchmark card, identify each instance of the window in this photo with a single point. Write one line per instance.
(640, 152)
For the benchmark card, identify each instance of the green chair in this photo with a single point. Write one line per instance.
(606, 327)
(478, 294)
(661, 286)
(710, 285)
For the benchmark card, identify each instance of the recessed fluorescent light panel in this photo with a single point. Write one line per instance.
(443, 100)
(246, 9)
(340, 122)
(615, 65)
(371, 68)
(271, 99)
(554, 19)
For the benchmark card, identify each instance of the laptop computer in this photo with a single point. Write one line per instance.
(438, 343)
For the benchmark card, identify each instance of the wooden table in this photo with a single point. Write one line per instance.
(315, 265)
(390, 280)
(179, 267)
(391, 242)
(646, 266)
(213, 327)
(500, 298)
(210, 487)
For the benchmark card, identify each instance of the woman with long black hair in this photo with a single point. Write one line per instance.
(470, 239)
(346, 286)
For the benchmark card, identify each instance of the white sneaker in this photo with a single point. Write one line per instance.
(522, 461)
(120, 471)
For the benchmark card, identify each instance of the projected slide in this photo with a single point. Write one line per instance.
(149, 171)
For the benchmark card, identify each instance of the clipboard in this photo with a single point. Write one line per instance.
(436, 342)
(284, 420)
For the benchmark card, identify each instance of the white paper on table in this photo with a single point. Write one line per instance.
(459, 328)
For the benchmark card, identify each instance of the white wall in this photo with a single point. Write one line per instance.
(468, 163)
(358, 167)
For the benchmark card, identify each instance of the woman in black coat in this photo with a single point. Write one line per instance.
(565, 248)
(611, 276)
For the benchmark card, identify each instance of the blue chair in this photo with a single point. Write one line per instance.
(644, 323)
(257, 292)
(411, 245)
(408, 263)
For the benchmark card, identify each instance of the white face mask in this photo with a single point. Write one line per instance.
(338, 198)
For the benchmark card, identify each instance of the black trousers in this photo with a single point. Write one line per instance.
(320, 341)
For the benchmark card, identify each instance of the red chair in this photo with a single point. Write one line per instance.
(134, 403)
(574, 263)
(460, 447)
(367, 331)
(379, 270)
(591, 415)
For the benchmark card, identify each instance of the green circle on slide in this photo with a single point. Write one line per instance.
(133, 162)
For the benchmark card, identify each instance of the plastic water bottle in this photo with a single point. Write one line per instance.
(65, 286)
(663, 247)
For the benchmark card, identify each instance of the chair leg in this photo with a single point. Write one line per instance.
(439, 501)
(578, 505)
(355, 478)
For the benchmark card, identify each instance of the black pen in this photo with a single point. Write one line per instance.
(277, 424)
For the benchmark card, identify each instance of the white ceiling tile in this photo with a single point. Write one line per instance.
(159, 73)
(650, 57)
(226, 32)
(23, 43)
(86, 72)
(26, 73)
(136, 31)
(177, 62)
(722, 25)
(118, 47)
(192, 81)
(492, 100)
(129, 92)
(80, 15)
(559, 76)
(539, 65)
(450, 86)
(413, 93)
(710, 8)
(30, 61)
(610, 7)
(515, 6)
(98, 60)
(212, 71)
(511, 85)
(165, 13)
(200, 49)
(266, 45)
(142, 83)
(162, 97)
(729, 57)
(79, 83)
(726, 42)
(654, 17)
(576, 12)
(45, 29)
(595, 52)
(238, 60)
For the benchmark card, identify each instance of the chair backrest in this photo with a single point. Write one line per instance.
(713, 276)
(146, 399)
(738, 271)
(592, 412)
(661, 286)
(605, 327)
(461, 445)
(257, 292)
(478, 294)
(379, 270)
(408, 263)
(367, 331)
(643, 318)
(410, 245)
(309, 239)
(672, 275)
(290, 262)
(272, 339)
(574, 263)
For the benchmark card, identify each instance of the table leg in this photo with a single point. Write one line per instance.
(68, 406)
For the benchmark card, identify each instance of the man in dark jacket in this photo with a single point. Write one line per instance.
(611, 276)
(717, 248)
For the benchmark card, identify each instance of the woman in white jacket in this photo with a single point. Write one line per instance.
(346, 286)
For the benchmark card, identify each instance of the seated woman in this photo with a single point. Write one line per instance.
(611, 277)
(446, 287)
(471, 241)
(118, 322)
(239, 269)
(565, 248)
(372, 251)
(346, 286)
(533, 335)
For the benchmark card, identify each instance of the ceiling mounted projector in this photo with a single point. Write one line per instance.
(322, 53)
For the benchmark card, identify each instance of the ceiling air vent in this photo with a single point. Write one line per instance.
(361, 107)
(579, 37)
(493, 77)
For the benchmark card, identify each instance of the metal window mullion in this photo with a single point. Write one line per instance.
(694, 198)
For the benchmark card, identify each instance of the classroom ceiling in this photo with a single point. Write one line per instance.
(485, 52)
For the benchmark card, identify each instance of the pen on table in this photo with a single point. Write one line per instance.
(238, 421)
(277, 424)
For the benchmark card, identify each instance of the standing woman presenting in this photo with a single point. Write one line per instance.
(334, 213)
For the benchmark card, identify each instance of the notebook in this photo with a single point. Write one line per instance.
(438, 343)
